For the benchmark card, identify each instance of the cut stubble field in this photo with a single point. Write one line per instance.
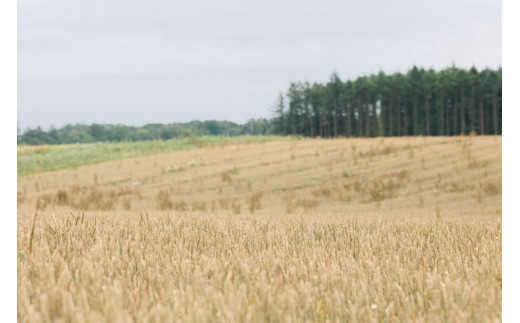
(382, 229)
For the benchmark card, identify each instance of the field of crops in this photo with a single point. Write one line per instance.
(44, 158)
(383, 229)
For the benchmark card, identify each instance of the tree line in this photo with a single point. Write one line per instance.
(81, 133)
(449, 102)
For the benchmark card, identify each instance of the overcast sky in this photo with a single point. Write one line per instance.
(138, 62)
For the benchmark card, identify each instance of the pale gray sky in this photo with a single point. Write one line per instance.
(138, 62)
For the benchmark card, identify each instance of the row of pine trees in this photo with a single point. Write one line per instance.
(452, 101)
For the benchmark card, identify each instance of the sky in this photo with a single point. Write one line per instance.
(164, 61)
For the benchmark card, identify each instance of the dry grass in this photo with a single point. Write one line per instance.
(246, 234)
(197, 268)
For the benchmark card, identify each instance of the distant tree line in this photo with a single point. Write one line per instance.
(419, 102)
(80, 133)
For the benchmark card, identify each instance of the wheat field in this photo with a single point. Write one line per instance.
(312, 230)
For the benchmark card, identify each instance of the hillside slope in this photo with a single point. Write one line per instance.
(449, 176)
